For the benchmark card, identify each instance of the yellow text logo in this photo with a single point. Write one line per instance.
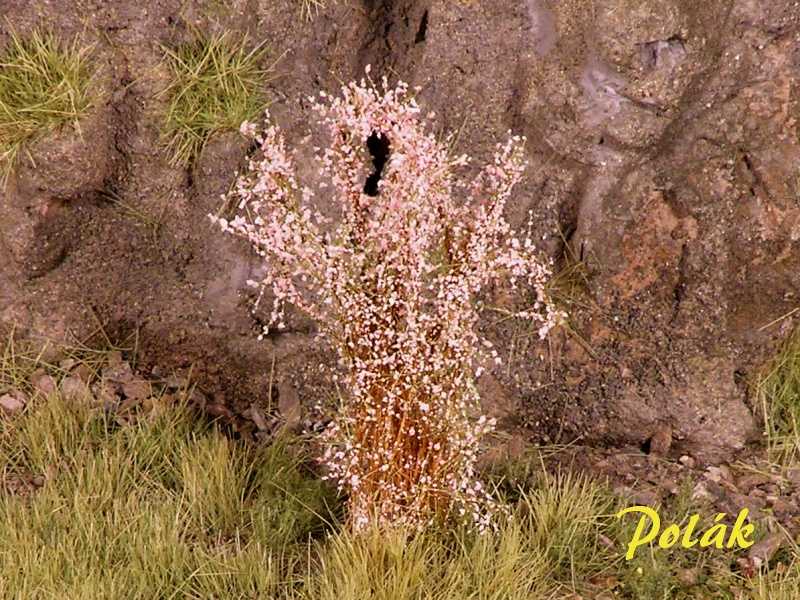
(649, 527)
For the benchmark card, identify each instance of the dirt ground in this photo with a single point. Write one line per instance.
(664, 152)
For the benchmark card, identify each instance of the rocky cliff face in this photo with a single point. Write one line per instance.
(664, 153)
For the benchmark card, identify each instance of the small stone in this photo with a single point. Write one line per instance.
(199, 399)
(105, 395)
(67, 364)
(43, 383)
(701, 491)
(83, 372)
(782, 507)
(11, 405)
(118, 373)
(51, 354)
(688, 577)
(750, 481)
(74, 389)
(713, 474)
(137, 389)
(761, 553)
(289, 404)
(687, 461)
(219, 410)
(257, 417)
(661, 440)
(793, 475)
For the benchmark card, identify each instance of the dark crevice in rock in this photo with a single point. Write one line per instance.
(672, 135)
(395, 36)
(423, 29)
(566, 251)
(756, 181)
(378, 146)
(679, 291)
(126, 113)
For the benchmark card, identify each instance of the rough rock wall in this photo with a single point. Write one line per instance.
(664, 149)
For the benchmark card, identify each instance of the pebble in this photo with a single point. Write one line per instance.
(688, 577)
(105, 394)
(782, 507)
(661, 440)
(74, 389)
(43, 383)
(118, 372)
(137, 389)
(83, 372)
(289, 404)
(764, 550)
(67, 364)
(11, 405)
(750, 481)
(219, 410)
(701, 492)
(257, 417)
(793, 475)
(199, 399)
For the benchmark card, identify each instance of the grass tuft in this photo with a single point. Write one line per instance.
(778, 391)
(164, 508)
(541, 548)
(44, 84)
(216, 84)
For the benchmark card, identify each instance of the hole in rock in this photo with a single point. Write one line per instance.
(423, 29)
(378, 146)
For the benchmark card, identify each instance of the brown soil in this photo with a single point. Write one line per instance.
(663, 145)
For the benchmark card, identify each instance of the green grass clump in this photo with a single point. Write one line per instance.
(216, 84)
(163, 505)
(778, 390)
(432, 565)
(43, 84)
(783, 581)
(548, 538)
(168, 507)
(164, 508)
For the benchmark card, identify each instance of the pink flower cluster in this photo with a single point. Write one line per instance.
(393, 285)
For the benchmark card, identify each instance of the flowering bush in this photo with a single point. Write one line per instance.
(392, 284)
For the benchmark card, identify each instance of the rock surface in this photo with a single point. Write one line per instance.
(663, 147)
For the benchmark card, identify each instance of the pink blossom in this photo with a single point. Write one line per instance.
(393, 286)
